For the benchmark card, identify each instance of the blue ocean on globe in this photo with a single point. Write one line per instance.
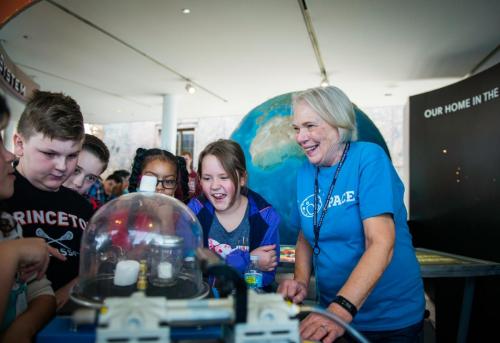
(273, 156)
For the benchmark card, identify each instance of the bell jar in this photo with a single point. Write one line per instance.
(141, 241)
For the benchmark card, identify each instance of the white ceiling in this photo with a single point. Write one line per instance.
(245, 51)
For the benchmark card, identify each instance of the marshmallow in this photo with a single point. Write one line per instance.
(126, 273)
(165, 270)
(148, 184)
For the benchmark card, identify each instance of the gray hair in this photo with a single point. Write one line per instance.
(334, 107)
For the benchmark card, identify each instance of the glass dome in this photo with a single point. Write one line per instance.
(140, 241)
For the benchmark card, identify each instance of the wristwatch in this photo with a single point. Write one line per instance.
(346, 304)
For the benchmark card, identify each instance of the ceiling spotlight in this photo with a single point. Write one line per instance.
(324, 83)
(190, 88)
(186, 11)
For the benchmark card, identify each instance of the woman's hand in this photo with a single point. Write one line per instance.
(316, 327)
(293, 290)
(267, 257)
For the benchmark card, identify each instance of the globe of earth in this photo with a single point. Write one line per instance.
(273, 156)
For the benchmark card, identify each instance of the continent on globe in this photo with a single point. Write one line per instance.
(274, 142)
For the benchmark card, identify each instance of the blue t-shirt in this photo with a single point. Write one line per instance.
(367, 186)
(224, 243)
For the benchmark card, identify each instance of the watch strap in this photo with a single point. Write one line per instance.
(346, 304)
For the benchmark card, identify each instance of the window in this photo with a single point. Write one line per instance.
(185, 141)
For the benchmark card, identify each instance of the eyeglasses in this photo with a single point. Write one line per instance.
(167, 183)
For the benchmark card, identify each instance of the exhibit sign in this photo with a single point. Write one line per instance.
(13, 79)
(455, 166)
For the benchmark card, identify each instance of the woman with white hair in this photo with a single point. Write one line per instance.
(353, 229)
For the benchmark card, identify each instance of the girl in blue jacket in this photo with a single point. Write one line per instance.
(236, 221)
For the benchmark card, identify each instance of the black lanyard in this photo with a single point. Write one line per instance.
(316, 225)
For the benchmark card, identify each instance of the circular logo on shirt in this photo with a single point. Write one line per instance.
(307, 206)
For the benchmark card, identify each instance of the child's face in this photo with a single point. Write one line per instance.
(125, 183)
(188, 159)
(110, 187)
(6, 172)
(217, 184)
(164, 171)
(45, 162)
(87, 171)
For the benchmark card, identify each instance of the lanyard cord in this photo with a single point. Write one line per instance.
(316, 225)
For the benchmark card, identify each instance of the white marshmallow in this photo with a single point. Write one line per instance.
(126, 273)
(165, 270)
(148, 184)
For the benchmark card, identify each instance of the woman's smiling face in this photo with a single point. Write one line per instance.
(316, 137)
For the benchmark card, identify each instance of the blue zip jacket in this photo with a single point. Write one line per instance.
(264, 222)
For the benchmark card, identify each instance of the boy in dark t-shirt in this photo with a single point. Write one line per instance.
(26, 303)
(48, 139)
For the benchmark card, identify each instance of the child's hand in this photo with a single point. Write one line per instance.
(293, 290)
(55, 253)
(62, 294)
(267, 257)
(33, 256)
(16, 334)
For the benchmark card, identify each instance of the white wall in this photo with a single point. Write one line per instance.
(389, 120)
(392, 124)
(211, 129)
(123, 139)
